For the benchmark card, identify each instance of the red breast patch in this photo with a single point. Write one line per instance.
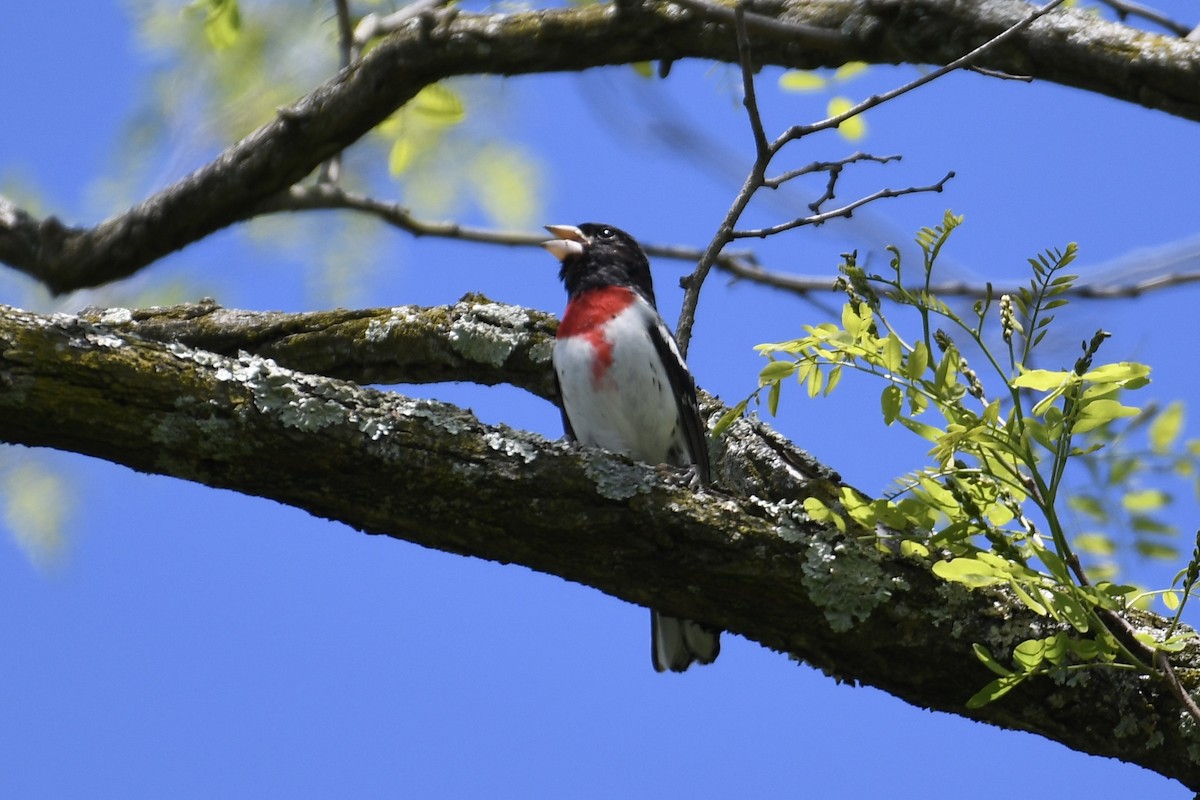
(586, 316)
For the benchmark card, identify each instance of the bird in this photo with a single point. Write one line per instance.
(624, 387)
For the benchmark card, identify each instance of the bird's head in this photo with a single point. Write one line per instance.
(594, 255)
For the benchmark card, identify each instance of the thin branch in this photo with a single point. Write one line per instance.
(739, 264)
(331, 170)
(834, 168)
(845, 211)
(756, 178)
(1127, 9)
(324, 197)
(799, 131)
(749, 98)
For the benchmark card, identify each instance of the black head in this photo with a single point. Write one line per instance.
(595, 255)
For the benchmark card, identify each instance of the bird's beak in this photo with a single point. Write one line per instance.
(568, 241)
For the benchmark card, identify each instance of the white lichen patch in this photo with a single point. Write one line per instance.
(376, 426)
(105, 340)
(447, 417)
(379, 330)
(116, 316)
(488, 333)
(846, 583)
(510, 446)
(617, 481)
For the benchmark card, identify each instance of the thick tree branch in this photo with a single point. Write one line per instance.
(1067, 47)
(749, 562)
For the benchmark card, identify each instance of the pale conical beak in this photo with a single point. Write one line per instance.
(568, 241)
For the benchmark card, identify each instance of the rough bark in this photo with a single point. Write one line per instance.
(1068, 47)
(742, 556)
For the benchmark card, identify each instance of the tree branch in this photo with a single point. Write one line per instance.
(1067, 47)
(750, 562)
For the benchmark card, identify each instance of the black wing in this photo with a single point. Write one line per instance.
(562, 409)
(684, 389)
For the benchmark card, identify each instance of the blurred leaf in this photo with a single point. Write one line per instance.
(1156, 550)
(851, 129)
(1166, 427)
(438, 104)
(222, 22)
(801, 81)
(507, 185)
(1088, 505)
(36, 506)
(1096, 544)
(849, 70)
(1145, 500)
(400, 157)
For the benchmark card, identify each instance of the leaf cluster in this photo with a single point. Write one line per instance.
(990, 506)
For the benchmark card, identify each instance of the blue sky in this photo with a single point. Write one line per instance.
(197, 643)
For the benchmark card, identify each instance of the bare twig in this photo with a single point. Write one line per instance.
(1004, 76)
(1126, 9)
(845, 211)
(833, 168)
(749, 98)
(757, 175)
(324, 197)
(331, 170)
(799, 131)
(739, 264)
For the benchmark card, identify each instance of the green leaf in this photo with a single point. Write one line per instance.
(222, 22)
(849, 70)
(776, 371)
(918, 361)
(1166, 427)
(802, 81)
(852, 129)
(991, 663)
(1145, 500)
(921, 429)
(1041, 380)
(1070, 609)
(773, 398)
(1100, 412)
(1026, 598)
(891, 401)
(1088, 505)
(912, 549)
(1096, 544)
(1156, 550)
(506, 185)
(969, 572)
(1029, 654)
(400, 156)
(893, 353)
(438, 104)
(1121, 373)
(728, 418)
(995, 690)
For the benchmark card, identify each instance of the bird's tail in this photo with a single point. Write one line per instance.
(676, 643)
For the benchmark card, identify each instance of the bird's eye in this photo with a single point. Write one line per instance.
(605, 233)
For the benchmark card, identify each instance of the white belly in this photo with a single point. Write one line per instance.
(629, 409)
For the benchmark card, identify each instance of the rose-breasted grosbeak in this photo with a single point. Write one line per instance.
(624, 386)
